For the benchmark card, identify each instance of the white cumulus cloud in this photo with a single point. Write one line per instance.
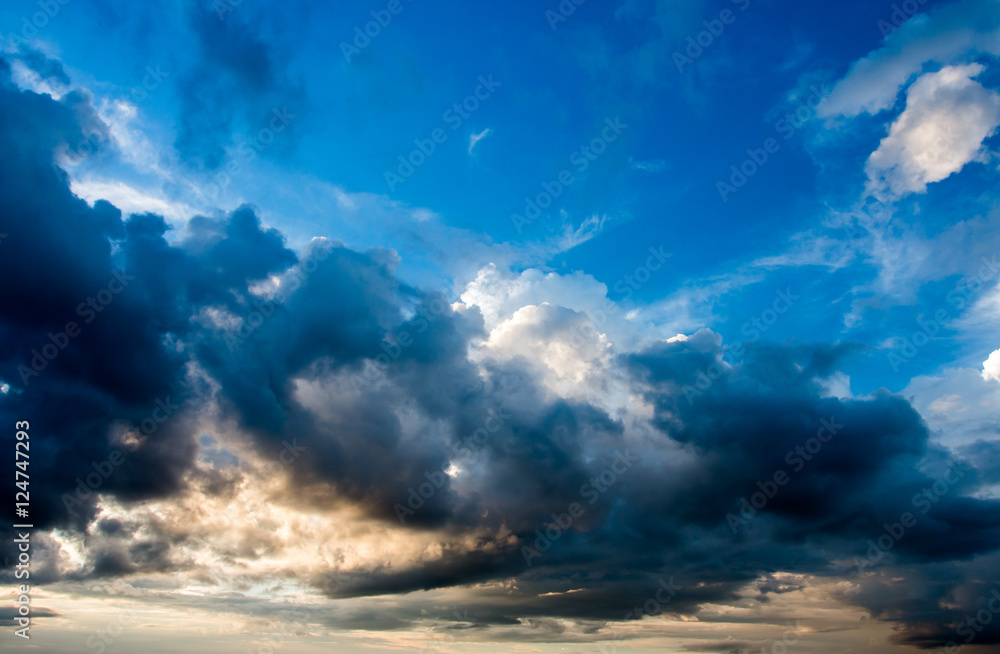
(991, 367)
(948, 115)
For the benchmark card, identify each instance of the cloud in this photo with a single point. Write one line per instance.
(46, 68)
(654, 166)
(648, 60)
(561, 347)
(945, 35)
(991, 367)
(476, 138)
(381, 386)
(947, 117)
(588, 229)
(957, 405)
(237, 83)
(499, 294)
(131, 200)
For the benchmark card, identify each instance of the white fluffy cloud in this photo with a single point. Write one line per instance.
(131, 200)
(948, 115)
(991, 367)
(945, 36)
(500, 293)
(569, 355)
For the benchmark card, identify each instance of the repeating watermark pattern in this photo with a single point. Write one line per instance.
(102, 639)
(247, 150)
(579, 160)
(30, 26)
(86, 146)
(591, 491)
(630, 283)
(59, 341)
(300, 615)
(924, 501)
(264, 309)
(873, 219)
(961, 297)
(627, 285)
(788, 638)
(864, 222)
(909, 171)
(666, 590)
(363, 35)
(974, 624)
(942, 138)
(780, 645)
(797, 458)
(453, 117)
(786, 127)
(448, 636)
(103, 470)
(777, 646)
(223, 7)
(417, 497)
(272, 467)
(793, 121)
(393, 350)
(562, 13)
(150, 82)
(753, 329)
(901, 13)
(698, 44)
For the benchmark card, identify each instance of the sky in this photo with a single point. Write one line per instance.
(537, 327)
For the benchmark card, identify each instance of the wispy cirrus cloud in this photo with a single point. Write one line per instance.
(474, 139)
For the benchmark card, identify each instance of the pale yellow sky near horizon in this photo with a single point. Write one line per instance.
(167, 623)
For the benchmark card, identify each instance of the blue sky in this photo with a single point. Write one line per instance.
(713, 178)
(656, 184)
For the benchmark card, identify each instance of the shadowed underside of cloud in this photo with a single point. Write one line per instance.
(330, 351)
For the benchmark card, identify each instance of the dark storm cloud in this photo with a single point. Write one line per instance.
(944, 602)
(58, 254)
(877, 467)
(85, 328)
(749, 422)
(237, 248)
(659, 520)
(343, 346)
(984, 456)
